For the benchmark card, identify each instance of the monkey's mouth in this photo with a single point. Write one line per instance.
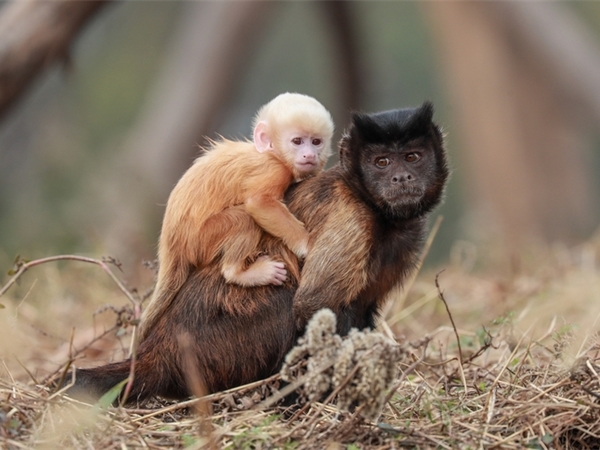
(306, 166)
(404, 195)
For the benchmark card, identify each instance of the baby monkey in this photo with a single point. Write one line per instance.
(214, 208)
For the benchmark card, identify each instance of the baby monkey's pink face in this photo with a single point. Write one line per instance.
(306, 148)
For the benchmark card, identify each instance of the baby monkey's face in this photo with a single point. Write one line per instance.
(305, 149)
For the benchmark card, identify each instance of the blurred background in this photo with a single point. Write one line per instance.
(94, 137)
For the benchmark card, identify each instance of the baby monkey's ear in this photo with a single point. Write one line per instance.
(262, 140)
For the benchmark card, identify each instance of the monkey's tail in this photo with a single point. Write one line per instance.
(91, 384)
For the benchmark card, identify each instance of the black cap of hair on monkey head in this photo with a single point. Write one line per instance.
(398, 125)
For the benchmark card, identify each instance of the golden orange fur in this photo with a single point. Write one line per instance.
(222, 204)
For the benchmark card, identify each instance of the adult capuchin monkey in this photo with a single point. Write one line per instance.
(213, 210)
(367, 223)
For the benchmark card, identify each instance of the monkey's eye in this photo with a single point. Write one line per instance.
(412, 157)
(316, 142)
(297, 141)
(382, 162)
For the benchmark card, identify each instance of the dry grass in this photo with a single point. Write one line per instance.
(527, 375)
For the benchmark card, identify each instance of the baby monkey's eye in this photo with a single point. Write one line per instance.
(382, 162)
(316, 142)
(412, 157)
(297, 141)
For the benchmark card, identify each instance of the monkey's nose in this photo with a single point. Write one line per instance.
(402, 178)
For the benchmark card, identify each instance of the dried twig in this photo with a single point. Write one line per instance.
(460, 356)
(23, 266)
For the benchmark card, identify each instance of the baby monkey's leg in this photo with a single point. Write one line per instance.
(238, 239)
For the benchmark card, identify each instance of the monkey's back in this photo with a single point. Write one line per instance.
(222, 177)
(225, 176)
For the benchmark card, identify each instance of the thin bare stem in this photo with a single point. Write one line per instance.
(460, 355)
(399, 303)
(137, 310)
(28, 265)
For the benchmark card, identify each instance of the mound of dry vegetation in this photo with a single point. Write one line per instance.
(474, 357)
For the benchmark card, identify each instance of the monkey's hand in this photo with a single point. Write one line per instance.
(302, 314)
(301, 249)
(300, 317)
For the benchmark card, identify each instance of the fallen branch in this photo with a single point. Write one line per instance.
(34, 35)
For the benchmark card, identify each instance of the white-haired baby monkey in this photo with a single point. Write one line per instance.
(214, 208)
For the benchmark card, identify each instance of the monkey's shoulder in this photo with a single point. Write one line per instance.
(327, 199)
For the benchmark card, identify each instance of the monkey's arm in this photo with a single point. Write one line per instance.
(337, 268)
(263, 203)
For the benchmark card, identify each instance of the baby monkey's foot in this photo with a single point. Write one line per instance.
(261, 272)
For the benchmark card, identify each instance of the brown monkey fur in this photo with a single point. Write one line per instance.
(367, 222)
(213, 210)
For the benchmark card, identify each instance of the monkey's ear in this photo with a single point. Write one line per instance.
(262, 140)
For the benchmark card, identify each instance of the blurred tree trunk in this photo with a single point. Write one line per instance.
(213, 44)
(34, 35)
(520, 145)
(348, 58)
(562, 45)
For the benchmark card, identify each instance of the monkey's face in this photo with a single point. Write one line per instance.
(299, 129)
(399, 177)
(304, 151)
(400, 160)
